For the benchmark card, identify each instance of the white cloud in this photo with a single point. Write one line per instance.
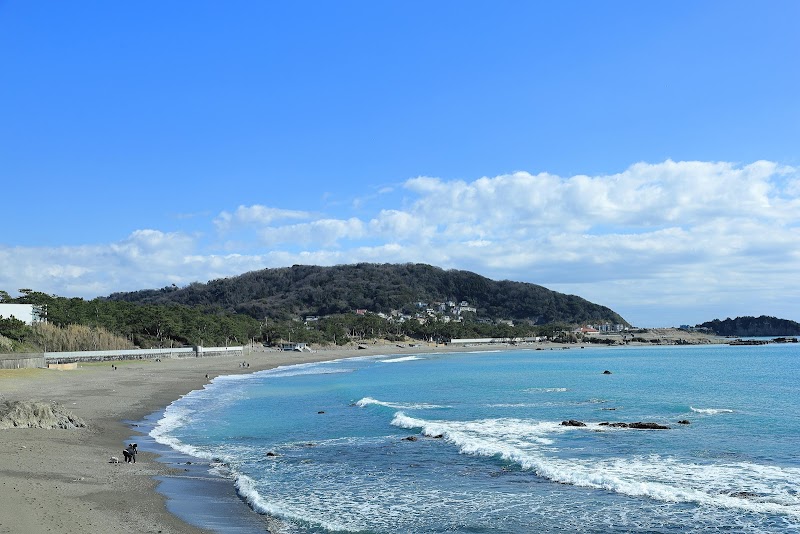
(688, 241)
(256, 215)
(323, 232)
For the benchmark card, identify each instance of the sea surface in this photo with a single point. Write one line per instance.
(473, 442)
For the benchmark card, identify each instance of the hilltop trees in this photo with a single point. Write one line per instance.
(269, 306)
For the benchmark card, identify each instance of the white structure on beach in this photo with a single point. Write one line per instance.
(27, 313)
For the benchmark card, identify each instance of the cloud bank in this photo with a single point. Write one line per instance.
(663, 244)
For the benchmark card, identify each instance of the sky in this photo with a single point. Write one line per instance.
(642, 155)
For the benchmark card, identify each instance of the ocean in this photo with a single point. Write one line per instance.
(473, 442)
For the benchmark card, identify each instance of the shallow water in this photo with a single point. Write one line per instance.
(490, 453)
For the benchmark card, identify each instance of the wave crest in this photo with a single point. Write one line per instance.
(710, 411)
(768, 489)
(367, 401)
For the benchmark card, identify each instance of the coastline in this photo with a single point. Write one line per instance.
(62, 481)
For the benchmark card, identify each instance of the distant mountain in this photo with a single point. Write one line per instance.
(310, 290)
(763, 326)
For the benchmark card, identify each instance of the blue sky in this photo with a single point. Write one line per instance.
(643, 155)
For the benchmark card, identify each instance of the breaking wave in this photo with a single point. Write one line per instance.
(367, 401)
(710, 411)
(742, 485)
(402, 359)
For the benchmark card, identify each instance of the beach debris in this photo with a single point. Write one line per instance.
(31, 414)
(114, 460)
(572, 422)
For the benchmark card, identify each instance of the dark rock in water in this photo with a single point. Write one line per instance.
(606, 372)
(271, 454)
(639, 426)
(410, 438)
(572, 422)
(743, 494)
(609, 409)
(648, 426)
(437, 436)
(684, 422)
(321, 411)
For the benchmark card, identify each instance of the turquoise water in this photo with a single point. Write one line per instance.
(490, 454)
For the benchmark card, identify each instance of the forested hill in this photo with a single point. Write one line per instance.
(763, 326)
(310, 290)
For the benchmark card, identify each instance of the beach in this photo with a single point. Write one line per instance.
(63, 481)
(57, 480)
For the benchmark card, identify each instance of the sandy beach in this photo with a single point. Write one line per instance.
(62, 481)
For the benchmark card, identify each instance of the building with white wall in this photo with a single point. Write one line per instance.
(27, 313)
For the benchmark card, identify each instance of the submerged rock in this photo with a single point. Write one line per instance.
(743, 494)
(411, 438)
(684, 422)
(606, 372)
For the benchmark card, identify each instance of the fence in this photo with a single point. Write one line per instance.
(20, 361)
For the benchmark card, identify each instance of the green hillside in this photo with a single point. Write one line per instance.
(763, 326)
(303, 290)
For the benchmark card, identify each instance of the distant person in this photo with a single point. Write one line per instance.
(130, 453)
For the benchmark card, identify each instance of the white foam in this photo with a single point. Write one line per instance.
(710, 411)
(760, 488)
(513, 405)
(367, 401)
(246, 487)
(545, 390)
(402, 359)
(303, 370)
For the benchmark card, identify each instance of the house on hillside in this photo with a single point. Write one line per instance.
(586, 330)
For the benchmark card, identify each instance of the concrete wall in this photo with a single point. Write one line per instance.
(138, 354)
(21, 361)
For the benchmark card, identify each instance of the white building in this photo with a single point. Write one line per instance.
(27, 313)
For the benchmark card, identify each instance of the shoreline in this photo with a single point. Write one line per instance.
(62, 481)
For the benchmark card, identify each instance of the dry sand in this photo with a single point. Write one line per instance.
(61, 481)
